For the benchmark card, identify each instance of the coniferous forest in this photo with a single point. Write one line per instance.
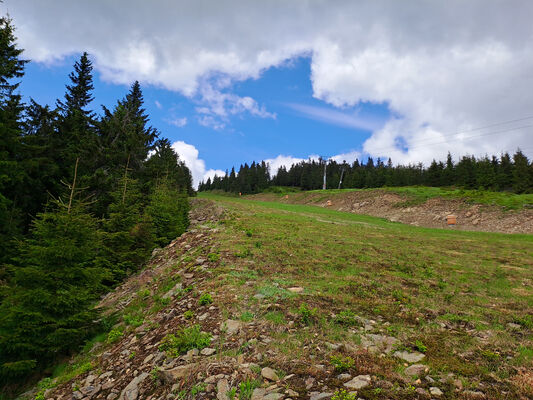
(85, 197)
(504, 173)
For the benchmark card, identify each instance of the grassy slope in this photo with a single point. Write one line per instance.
(419, 194)
(414, 279)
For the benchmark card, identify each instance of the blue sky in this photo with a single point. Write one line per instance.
(302, 126)
(239, 80)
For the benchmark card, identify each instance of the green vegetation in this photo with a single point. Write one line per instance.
(205, 299)
(186, 339)
(84, 199)
(437, 291)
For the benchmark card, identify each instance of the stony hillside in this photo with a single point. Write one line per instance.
(230, 310)
(431, 213)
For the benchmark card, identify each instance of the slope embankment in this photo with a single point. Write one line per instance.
(430, 212)
(270, 301)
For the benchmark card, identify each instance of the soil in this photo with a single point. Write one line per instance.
(431, 213)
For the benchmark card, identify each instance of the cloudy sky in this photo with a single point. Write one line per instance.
(234, 81)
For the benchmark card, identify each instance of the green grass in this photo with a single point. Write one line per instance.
(413, 278)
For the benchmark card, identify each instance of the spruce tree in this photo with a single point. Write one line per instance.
(521, 174)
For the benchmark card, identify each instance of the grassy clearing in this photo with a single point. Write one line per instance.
(449, 294)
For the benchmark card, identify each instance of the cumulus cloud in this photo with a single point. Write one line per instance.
(190, 156)
(441, 67)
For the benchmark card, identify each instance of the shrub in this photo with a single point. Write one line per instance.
(205, 299)
(342, 394)
(246, 389)
(346, 318)
(420, 346)
(342, 364)
(186, 339)
(307, 314)
(188, 314)
(114, 335)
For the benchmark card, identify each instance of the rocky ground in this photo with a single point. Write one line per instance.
(431, 213)
(240, 359)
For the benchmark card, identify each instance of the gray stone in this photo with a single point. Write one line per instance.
(270, 374)
(409, 357)
(222, 389)
(416, 370)
(512, 325)
(148, 358)
(258, 394)
(230, 326)
(174, 291)
(90, 391)
(131, 392)
(112, 396)
(319, 395)
(435, 391)
(273, 396)
(358, 382)
(105, 375)
(292, 393)
(296, 289)
(377, 343)
(207, 351)
(174, 374)
(421, 392)
(77, 395)
(90, 379)
(344, 377)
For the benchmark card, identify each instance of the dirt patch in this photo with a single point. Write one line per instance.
(431, 213)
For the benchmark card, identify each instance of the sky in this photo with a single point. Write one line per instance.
(230, 82)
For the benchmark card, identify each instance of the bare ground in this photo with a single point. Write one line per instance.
(432, 213)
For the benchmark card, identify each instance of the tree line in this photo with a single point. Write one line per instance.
(504, 173)
(84, 199)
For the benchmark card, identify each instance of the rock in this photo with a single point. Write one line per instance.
(309, 382)
(231, 326)
(273, 396)
(259, 296)
(148, 358)
(421, 392)
(376, 343)
(344, 377)
(416, 370)
(333, 346)
(112, 396)
(514, 326)
(435, 391)
(207, 351)
(258, 394)
(270, 374)
(203, 316)
(77, 395)
(292, 393)
(222, 389)
(89, 380)
(474, 394)
(296, 289)
(105, 375)
(131, 392)
(188, 276)
(458, 384)
(174, 291)
(319, 395)
(91, 391)
(358, 382)
(174, 374)
(409, 357)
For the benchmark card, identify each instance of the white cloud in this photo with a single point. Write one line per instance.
(190, 156)
(339, 118)
(158, 104)
(276, 163)
(178, 122)
(440, 66)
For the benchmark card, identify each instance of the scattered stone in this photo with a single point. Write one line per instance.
(416, 370)
(258, 394)
(309, 382)
(207, 351)
(296, 289)
(174, 291)
(131, 392)
(77, 395)
(259, 296)
(174, 374)
(273, 396)
(203, 316)
(270, 374)
(435, 391)
(231, 326)
(409, 357)
(376, 343)
(421, 392)
(358, 382)
(89, 380)
(344, 377)
(112, 396)
(91, 391)
(320, 395)
(222, 389)
(458, 384)
(292, 393)
(105, 375)
(514, 326)
(148, 358)
(188, 276)
(474, 394)
(333, 346)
